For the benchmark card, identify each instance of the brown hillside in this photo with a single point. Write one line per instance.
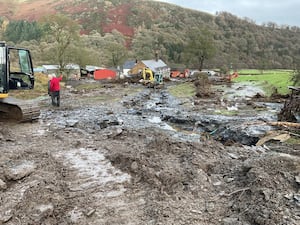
(90, 14)
(29, 10)
(148, 24)
(118, 16)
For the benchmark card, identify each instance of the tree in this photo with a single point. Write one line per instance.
(62, 32)
(21, 30)
(114, 48)
(117, 54)
(200, 47)
(81, 55)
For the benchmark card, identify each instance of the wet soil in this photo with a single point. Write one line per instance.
(125, 154)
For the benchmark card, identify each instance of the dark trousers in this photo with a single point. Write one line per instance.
(55, 97)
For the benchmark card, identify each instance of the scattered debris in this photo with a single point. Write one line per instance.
(147, 158)
(291, 109)
(274, 135)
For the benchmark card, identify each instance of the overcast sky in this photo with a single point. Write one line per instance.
(286, 12)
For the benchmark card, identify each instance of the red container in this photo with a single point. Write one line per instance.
(101, 74)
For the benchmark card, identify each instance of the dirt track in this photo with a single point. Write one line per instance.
(115, 156)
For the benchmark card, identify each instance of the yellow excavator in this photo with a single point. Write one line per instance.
(16, 73)
(150, 78)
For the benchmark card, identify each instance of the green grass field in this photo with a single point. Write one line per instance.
(184, 90)
(269, 80)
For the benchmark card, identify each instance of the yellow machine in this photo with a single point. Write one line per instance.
(147, 75)
(16, 73)
(151, 78)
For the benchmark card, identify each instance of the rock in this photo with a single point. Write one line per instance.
(17, 172)
(134, 166)
(289, 196)
(3, 185)
(267, 193)
(115, 133)
(297, 199)
(103, 124)
(90, 212)
(297, 179)
(233, 156)
(72, 122)
(5, 216)
(44, 210)
(230, 221)
(229, 179)
(218, 183)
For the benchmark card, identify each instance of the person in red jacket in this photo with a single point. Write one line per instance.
(54, 89)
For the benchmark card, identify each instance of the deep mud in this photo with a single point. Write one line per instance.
(125, 154)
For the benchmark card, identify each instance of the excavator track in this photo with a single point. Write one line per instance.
(12, 109)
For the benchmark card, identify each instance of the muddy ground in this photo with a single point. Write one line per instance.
(125, 154)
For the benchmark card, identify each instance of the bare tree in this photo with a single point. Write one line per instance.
(62, 31)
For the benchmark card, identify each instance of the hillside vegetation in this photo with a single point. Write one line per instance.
(147, 26)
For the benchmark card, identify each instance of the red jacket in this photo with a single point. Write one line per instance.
(54, 83)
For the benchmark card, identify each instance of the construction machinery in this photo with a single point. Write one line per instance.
(180, 73)
(230, 77)
(16, 73)
(150, 78)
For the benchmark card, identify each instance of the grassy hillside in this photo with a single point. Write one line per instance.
(146, 26)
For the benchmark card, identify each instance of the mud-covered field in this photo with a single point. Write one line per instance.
(126, 154)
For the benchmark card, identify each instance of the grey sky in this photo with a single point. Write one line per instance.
(260, 11)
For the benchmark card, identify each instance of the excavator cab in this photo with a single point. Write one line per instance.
(16, 72)
(158, 77)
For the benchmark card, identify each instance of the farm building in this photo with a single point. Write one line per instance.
(157, 66)
(127, 66)
(72, 70)
(88, 71)
(50, 69)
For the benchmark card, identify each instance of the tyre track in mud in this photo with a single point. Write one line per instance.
(68, 184)
(95, 189)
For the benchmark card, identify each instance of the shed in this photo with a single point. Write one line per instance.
(49, 69)
(128, 65)
(73, 71)
(101, 74)
(88, 71)
(157, 66)
(70, 69)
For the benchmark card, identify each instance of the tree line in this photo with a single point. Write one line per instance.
(183, 38)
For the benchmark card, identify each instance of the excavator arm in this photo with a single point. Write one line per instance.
(147, 75)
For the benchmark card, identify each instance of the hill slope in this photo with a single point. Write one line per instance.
(148, 25)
